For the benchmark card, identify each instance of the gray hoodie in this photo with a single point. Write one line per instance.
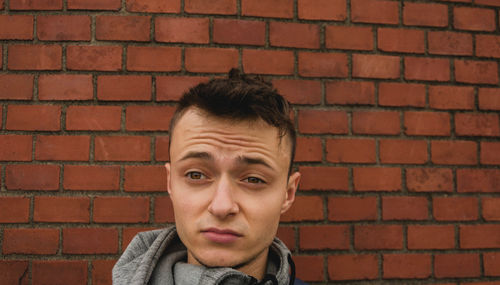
(158, 257)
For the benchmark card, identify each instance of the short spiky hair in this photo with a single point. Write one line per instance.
(240, 97)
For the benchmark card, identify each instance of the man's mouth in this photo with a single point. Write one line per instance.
(221, 235)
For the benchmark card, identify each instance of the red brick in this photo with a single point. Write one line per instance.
(16, 27)
(242, 32)
(145, 178)
(456, 265)
(332, 10)
(401, 40)
(401, 94)
(94, 4)
(164, 210)
(210, 59)
(287, 235)
(451, 97)
(404, 208)
(353, 267)
(76, 148)
(182, 30)
(324, 178)
(101, 271)
(387, 237)
(15, 147)
(377, 179)
(154, 6)
(433, 69)
(317, 122)
(455, 208)
(374, 11)
(93, 118)
(450, 43)
(34, 57)
(403, 151)
(65, 87)
(309, 268)
(471, 124)
(487, 2)
(471, 71)
(406, 266)
(478, 180)
(30, 241)
(90, 241)
(130, 233)
(350, 92)
(352, 208)
(268, 61)
(474, 19)
(123, 28)
(32, 177)
(14, 210)
(454, 152)
(16, 86)
(491, 208)
(63, 28)
(58, 272)
(491, 261)
(122, 148)
(350, 151)
(305, 208)
(171, 88)
(62, 209)
(324, 237)
(308, 149)
(490, 153)
(162, 148)
(340, 37)
(121, 210)
(294, 35)
(299, 91)
(488, 46)
(431, 237)
(14, 271)
(375, 66)
(148, 118)
(103, 177)
(33, 117)
(479, 236)
(99, 58)
(2, 4)
(124, 87)
(376, 122)
(425, 14)
(270, 8)
(489, 98)
(429, 179)
(153, 58)
(323, 64)
(427, 123)
(36, 5)
(225, 7)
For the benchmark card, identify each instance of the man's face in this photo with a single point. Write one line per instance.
(229, 184)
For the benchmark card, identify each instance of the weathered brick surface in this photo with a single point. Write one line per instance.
(395, 103)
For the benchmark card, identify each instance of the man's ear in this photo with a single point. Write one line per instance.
(291, 189)
(167, 168)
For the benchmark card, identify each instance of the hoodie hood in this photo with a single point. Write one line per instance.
(159, 257)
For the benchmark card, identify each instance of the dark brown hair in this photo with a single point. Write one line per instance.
(240, 97)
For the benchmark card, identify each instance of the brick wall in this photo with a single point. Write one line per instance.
(396, 103)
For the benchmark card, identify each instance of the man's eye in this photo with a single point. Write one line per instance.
(195, 175)
(254, 180)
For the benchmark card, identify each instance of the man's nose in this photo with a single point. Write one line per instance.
(223, 203)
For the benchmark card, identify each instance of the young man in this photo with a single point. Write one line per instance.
(230, 178)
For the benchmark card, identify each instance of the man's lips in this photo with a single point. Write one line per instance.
(221, 235)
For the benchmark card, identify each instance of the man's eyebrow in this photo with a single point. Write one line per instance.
(197, 154)
(252, 160)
